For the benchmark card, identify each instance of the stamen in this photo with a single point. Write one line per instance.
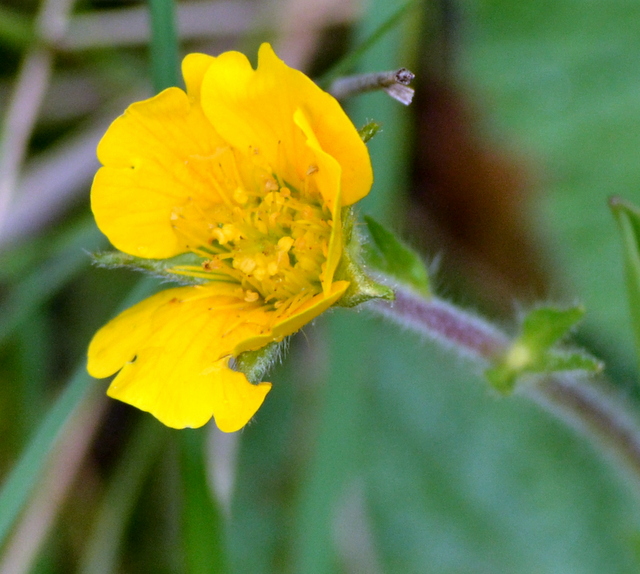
(251, 296)
(266, 236)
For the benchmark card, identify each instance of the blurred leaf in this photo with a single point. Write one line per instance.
(32, 291)
(203, 528)
(369, 130)
(35, 344)
(164, 45)
(532, 352)
(567, 361)
(559, 86)
(16, 29)
(19, 483)
(338, 444)
(394, 258)
(458, 482)
(104, 542)
(628, 218)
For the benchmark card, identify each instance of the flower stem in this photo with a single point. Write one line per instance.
(395, 83)
(446, 324)
(570, 396)
(594, 410)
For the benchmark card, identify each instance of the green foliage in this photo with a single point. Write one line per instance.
(559, 91)
(16, 29)
(107, 536)
(19, 484)
(67, 259)
(628, 218)
(533, 350)
(391, 256)
(202, 522)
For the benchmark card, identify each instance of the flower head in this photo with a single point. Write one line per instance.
(248, 170)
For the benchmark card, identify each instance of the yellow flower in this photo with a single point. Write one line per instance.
(248, 170)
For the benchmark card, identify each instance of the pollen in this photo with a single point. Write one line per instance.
(285, 243)
(251, 296)
(240, 196)
(211, 264)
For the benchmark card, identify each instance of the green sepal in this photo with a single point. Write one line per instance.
(391, 256)
(369, 130)
(362, 287)
(532, 351)
(628, 218)
(161, 268)
(254, 364)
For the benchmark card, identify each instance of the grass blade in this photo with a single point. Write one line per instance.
(19, 483)
(122, 493)
(164, 45)
(203, 529)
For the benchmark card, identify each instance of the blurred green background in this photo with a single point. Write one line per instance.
(375, 452)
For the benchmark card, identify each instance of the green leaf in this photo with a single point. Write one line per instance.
(369, 130)
(545, 326)
(628, 218)
(532, 351)
(394, 258)
(568, 361)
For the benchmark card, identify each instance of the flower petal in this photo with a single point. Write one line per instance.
(255, 109)
(294, 319)
(194, 67)
(157, 158)
(192, 395)
(173, 351)
(327, 180)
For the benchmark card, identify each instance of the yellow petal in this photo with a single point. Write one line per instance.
(118, 341)
(190, 395)
(194, 67)
(327, 180)
(255, 109)
(157, 159)
(295, 319)
(173, 351)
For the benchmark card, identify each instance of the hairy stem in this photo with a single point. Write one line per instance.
(572, 397)
(446, 324)
(594, 410)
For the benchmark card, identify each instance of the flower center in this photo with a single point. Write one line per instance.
(270, 238)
